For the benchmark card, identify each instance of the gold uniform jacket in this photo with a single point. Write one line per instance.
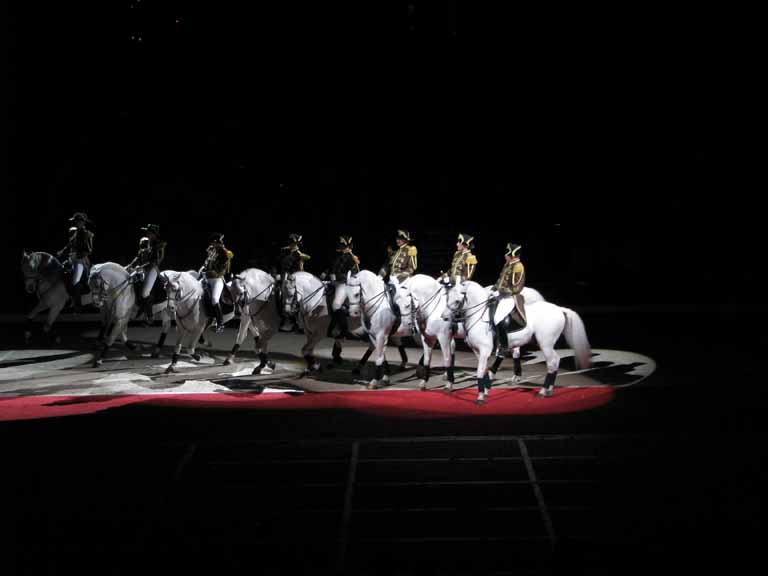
(463, 265)
(512, 279)
(218, 261)
(402, 263)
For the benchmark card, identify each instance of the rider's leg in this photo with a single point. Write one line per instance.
(74, 289)
(146, 290)
(217, 285)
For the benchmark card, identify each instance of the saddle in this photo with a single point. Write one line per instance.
(158, 293)
(82, 286)
(508, 315)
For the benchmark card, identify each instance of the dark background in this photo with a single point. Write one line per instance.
(261, 121)
(599, 141)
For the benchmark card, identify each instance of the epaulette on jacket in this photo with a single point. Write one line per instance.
(412, 251)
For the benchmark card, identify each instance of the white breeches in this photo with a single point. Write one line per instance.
(77, 271)
(150, 275)
(217, 285)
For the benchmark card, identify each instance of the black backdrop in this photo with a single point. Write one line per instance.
(266, 120)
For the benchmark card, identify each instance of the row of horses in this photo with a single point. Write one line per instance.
(428, 309)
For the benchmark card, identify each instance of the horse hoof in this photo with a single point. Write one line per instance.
(271, 365)
(372, 385)
(403, 365)
(256, 371)
(170, 370)
(385, 379)
(423, 385)
(228, 361)
(97, 363)
(196, 357)
(130, 345)
(480, 401)
(545, 393)
(515, 379)
(258, 389)
(449, 387)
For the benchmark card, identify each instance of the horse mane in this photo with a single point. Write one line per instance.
(38, 260)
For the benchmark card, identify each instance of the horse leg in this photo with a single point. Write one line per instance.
(336, 354)
(177, 349)
(553, 364)
(53, 313)
(518, 364)
(403, 355)
(245, 323)
(357, 369)
(483, 381)
(313, 337)
(422, 371)
(124, 337)
(163, 335)
(117, 329)
(198, 331)
(381, 342)
(39, 307)
(451, 365)
(261, 349)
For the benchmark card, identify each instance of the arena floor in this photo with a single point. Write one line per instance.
(212, 469)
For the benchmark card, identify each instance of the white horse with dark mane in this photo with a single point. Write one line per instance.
(254, 292)
(368, 299)
(422, 301)
(185, 302)
(545, 321)
(44, 277)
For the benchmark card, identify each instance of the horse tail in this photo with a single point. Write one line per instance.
(576, 336)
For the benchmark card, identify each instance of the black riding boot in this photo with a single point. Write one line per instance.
(74, 294)
(219, 318)
(336, 320)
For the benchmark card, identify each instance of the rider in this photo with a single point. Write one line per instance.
(510, 283)
(78, 250)
(218, 261)
(401, 264)
(291, 260)
(150, 255)
(463, 264)
(344, 261)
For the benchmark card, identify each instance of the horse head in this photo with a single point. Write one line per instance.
(352, 290)
(173, 288)
(238, 287)
(29, 265)
(456, 298)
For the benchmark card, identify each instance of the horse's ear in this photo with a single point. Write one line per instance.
(458, 280)
(349, 275)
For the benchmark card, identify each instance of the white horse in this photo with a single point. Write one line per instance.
(368, 299)
(111, 290)
(44, 277)
(305, 294)
(546, 322)
(422, 300)
(254, 292)
(185, 301)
